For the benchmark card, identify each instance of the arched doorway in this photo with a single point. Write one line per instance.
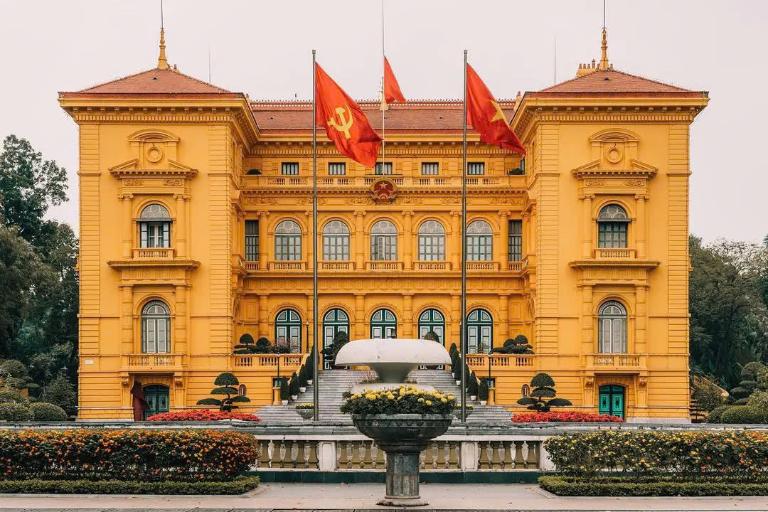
(288, 330)
(335, 321)
(479, 332)
(383, 324)
(157, 398)
(611, 400)
(432, 320)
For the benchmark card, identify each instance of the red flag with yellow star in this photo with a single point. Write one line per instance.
(486, 117)
(344, 121)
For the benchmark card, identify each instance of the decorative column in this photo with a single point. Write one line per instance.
(455, 326)
(407, 254)
(128, 228)
(407, 322)
(181, 226)
(589, 344)
(503, 250)
(455, 240)
(641, 320)
(640, 228)
(263, 240)
(309, 251)
(359, 240)
(126, 319)
(181, 328)
(503, 320)
(308, 332)
(263, 318)
(588, 226)
(358, 327)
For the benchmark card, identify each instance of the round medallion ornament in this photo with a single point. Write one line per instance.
(614, 154)
(383, 191)
(154, 154)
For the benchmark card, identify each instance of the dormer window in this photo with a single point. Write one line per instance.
(612, 225)
(154, 227)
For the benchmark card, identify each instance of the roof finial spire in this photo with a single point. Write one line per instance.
(604, 46)
(162, 61)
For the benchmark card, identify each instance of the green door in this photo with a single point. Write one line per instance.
(157, 400)
(611, 401)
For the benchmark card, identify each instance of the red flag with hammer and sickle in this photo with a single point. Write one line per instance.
(344, 121)
(486, 117)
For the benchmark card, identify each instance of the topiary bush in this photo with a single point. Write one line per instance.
(472, 386)
(543, 395)
(715, 415)
(12, 396)
(134, 455)
(482, 390)
(42, 411)
(743, 414)
(263, 346)
(246, 345)
(225, 383)
(11, 411)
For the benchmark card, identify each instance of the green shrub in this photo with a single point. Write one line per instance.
(285, 393)
(472, 386)
(742, 414)
(263, 346)
(293, 385)
(482, 390)
(11, 411)
(563, 486)
(716, 414)
(238, 485)
(61, 392)
(42, 411)
(708, 395)
(13, 396)
(759, 400)
(226, 383)
(136, 455)
(543, 395)
(695, 454)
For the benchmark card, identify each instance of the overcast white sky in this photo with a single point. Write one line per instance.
(263, 48)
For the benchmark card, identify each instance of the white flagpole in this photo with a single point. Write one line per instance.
(315, 354)
(463, 335)
(383, 106)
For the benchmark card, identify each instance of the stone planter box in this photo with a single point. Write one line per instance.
(306, 413)
(402, 437)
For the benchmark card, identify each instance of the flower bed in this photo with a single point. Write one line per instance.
(565, 486)
(578, 417)
(129, 455)
(202, 415)
(401, 400)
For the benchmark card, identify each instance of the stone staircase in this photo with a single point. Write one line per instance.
(334, 383)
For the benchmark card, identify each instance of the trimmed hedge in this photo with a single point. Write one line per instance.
(42, 411)
(239, 485)
(132, 455)
(10, 411)
(737, 455)
(563, 486)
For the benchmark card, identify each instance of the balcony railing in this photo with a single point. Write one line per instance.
(515, 266)
(337, 266)
(363, 182)
(292, 266)
(384, 265)
(432, 265)
(146, 362)
(615, 361)
(267, 360)
(614, 254)
(483, 266)
(251, 265)
(501, 360)
(153, 253)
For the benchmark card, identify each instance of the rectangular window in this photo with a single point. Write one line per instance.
(288, 247)
(430, 168)
(475, 168)
(479, 247)
(155, 234)
(612, 235)
(289, 168)
(431, 248)
(336, 247)
(515, 240)
(337, 169)
(385, 169)
(384, 247)
(252, 240)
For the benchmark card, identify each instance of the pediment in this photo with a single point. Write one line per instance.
(131, 168)
(636, 168)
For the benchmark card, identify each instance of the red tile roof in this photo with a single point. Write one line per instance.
(155, 81)
(413, 116)
(612, 82)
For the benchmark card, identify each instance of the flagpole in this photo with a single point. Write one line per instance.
(463, 322)
(383, 99)
(315, 351)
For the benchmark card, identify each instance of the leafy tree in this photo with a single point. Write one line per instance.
(61, 392)
(28, 186)
(246, 345)
(543, 394)
(225, 386)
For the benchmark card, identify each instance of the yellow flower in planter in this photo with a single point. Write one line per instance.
(429, 402)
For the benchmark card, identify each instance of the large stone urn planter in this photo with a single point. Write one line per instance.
(402, 437)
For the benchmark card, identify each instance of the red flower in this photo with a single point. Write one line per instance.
(202, 415)
(570, 416)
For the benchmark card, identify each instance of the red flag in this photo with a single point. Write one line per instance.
(392, 92)
(486, 117)
(344, 121)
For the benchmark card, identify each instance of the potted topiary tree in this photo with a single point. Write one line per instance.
(284, 391)
(225, 386)
(246, 345)
(483, 391)
(472, 386)
(293, 386)
(263, 346)
(543, 395)
(310, 364)
(302, 378)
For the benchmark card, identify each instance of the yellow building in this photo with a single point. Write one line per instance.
(195, 222)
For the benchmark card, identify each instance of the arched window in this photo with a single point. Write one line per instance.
(383, 241)
(431, 241)
(612, 225)
(479, 332)
(479, 241)
(335, 321)
(336, 241)
(155, 328)
(288, 241)
(612, 327)
(383, 324)
(288, 330)
(432, 320)
(154, 227)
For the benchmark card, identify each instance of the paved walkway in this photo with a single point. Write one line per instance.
(275, 497)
